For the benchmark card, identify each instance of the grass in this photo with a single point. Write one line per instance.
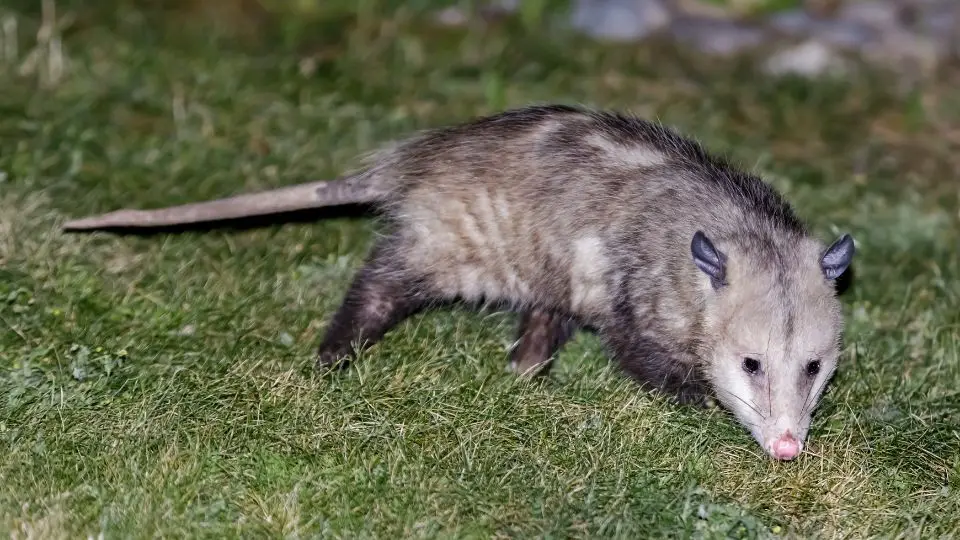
(160, 385)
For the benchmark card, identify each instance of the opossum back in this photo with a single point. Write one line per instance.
(515, 207)
(528, 205)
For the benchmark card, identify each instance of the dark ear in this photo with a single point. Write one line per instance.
(710, 261)
(837, 257)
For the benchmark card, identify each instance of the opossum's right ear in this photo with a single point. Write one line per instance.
(837, 257)
(709, 259)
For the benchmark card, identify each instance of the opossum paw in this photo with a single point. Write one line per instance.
(527, 369)
(331, 361)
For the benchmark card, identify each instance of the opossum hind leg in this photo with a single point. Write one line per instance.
(379, 298)
(540, 335)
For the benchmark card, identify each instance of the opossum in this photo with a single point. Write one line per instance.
(698, 277)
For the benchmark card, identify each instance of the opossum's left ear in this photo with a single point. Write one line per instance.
(837, 257)
(709, 259)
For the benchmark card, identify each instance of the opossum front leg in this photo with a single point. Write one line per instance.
(540, 335)
(379, 298)
(652, 364)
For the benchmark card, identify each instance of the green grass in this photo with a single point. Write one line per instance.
(160, 385)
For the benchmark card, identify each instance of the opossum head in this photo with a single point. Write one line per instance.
(772, 330)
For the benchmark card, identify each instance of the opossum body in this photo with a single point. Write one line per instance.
(697, 276)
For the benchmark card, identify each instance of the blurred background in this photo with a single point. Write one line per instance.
(809, 37)
(728, 70)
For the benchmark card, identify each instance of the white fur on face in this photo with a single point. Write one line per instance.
(784, 325)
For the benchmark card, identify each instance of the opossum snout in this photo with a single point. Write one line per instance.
(786, 447)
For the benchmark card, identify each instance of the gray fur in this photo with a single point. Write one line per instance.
(683, 264)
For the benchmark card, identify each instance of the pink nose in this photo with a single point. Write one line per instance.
(786, 447)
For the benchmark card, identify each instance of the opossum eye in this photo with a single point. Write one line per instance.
(751, 365)
(813, 368)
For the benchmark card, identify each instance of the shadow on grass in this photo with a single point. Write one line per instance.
(245, 223)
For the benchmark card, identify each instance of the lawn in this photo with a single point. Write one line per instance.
(160, 385)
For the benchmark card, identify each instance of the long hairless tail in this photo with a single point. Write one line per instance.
(356, 189)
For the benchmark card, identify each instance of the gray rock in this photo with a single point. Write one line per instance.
(506, 5)
(809, 59)
(451, 16)
(620, 20)
(907, 35)
(880, 14)
(902, 50)
(717, 36)
(941, 22)
(459, 16)
(843, 33)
